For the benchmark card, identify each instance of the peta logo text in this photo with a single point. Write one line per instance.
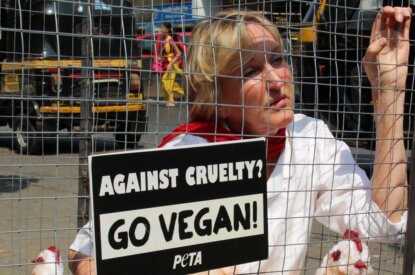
(188, 259)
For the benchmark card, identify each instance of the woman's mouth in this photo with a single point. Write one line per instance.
(279, 103)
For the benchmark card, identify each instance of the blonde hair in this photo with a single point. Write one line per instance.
(217, 46)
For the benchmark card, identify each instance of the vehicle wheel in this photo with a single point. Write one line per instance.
(347, 114)
(307, 93)
(342, 102)
(134, 129)
(361, 108)
(3, 121)
(26, 140)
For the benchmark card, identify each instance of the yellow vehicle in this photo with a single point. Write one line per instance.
(42, 74)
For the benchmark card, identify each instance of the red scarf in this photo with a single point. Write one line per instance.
(207, 130)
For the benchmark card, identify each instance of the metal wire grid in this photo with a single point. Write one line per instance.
(40, 192)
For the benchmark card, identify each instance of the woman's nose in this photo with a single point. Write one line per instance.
(275, 77)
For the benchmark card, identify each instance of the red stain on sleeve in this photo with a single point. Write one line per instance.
(336, 255)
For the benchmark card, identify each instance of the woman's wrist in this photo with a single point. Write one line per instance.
(388, 114)
(388, 101)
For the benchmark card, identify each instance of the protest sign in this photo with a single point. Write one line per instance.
(179, 210)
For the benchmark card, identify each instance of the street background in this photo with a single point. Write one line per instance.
(324, 41)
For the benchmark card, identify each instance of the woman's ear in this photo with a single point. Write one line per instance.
(222, 110)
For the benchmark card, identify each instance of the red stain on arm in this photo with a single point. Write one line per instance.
(39, 260)
(360, 264)
(353, 236)
(53, 249)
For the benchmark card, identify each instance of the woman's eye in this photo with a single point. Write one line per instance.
(277, 61)
(249, 73)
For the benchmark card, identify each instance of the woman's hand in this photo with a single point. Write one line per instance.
(386, 58)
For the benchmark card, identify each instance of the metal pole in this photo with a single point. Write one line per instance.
(408, 259)
(85, 124)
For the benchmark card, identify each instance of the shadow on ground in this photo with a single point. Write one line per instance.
(13, 183)
(66, 144)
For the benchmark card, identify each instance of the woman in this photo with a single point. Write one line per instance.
(172, 64)
(241, 87)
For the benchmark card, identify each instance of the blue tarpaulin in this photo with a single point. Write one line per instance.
(176, 14)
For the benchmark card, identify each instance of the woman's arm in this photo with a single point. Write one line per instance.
(81, 264)
(385, 63)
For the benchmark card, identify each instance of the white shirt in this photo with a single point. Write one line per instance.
(315, 177)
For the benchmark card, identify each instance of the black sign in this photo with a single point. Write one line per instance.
(179, 210)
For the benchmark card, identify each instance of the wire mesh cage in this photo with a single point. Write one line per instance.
(93, 76)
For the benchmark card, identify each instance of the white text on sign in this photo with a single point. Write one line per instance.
(167, 178)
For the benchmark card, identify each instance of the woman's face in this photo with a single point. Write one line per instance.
(164, 29)
(263, 97)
